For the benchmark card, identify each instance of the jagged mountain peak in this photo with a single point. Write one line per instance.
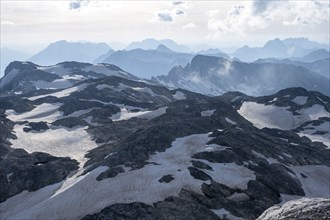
(214, 76)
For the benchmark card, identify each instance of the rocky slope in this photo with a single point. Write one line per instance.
(118, 148)
(25, 77)
(214, 76)
(316, 208)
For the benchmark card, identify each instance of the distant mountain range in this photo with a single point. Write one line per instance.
(321, 66)
(291, 47)
(315, 56)
(148, 63)
(151, 44)
(214, 76)
(151, 57)
(61, 51)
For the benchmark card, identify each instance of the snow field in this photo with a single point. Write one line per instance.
(61, 142)
(272, 116)
(85, 195)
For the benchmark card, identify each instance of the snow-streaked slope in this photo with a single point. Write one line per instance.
(47, 112)
(316, 179)
(272, 116)
(56, 84)
(319, 133)
(305, 208)
(86, 195)
(27, 76)
(62, 93)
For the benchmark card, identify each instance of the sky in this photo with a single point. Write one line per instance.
(31, 25)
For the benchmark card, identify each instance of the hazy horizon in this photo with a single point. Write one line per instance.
(218, 24)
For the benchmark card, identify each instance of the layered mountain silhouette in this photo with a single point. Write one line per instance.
(148, 63)
(320, 66)
(291, 47)
(62, 51)
(151, 44)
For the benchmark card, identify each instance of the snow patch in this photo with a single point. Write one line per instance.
(215, 147)
(323, 137)
(224, 214)
(317, 182)
(179, 95)
(271, 116)
(58, 70)
(104, 86)
(269, 160)
(207, 113)
(47, 112)
(230, 121)
(63, 93)
(300, 100)
(126, 114)
(56, 84)
(61, 142)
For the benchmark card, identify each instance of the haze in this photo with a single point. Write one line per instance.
(29, 26)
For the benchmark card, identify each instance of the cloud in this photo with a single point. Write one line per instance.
(189, 26)
(308, 13)
(173, 10)
(296, 12)
(260, 14)
(77, 4)
(238, 20)
(178, 3)
(260, 6)
(165, 16)
(179, 12)
(7, 23)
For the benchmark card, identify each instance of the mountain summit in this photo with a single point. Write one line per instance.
(61, 51)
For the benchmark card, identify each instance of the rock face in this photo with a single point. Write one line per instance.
(142, 151)
(306, 208)
(214, 76)
(20, 170)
